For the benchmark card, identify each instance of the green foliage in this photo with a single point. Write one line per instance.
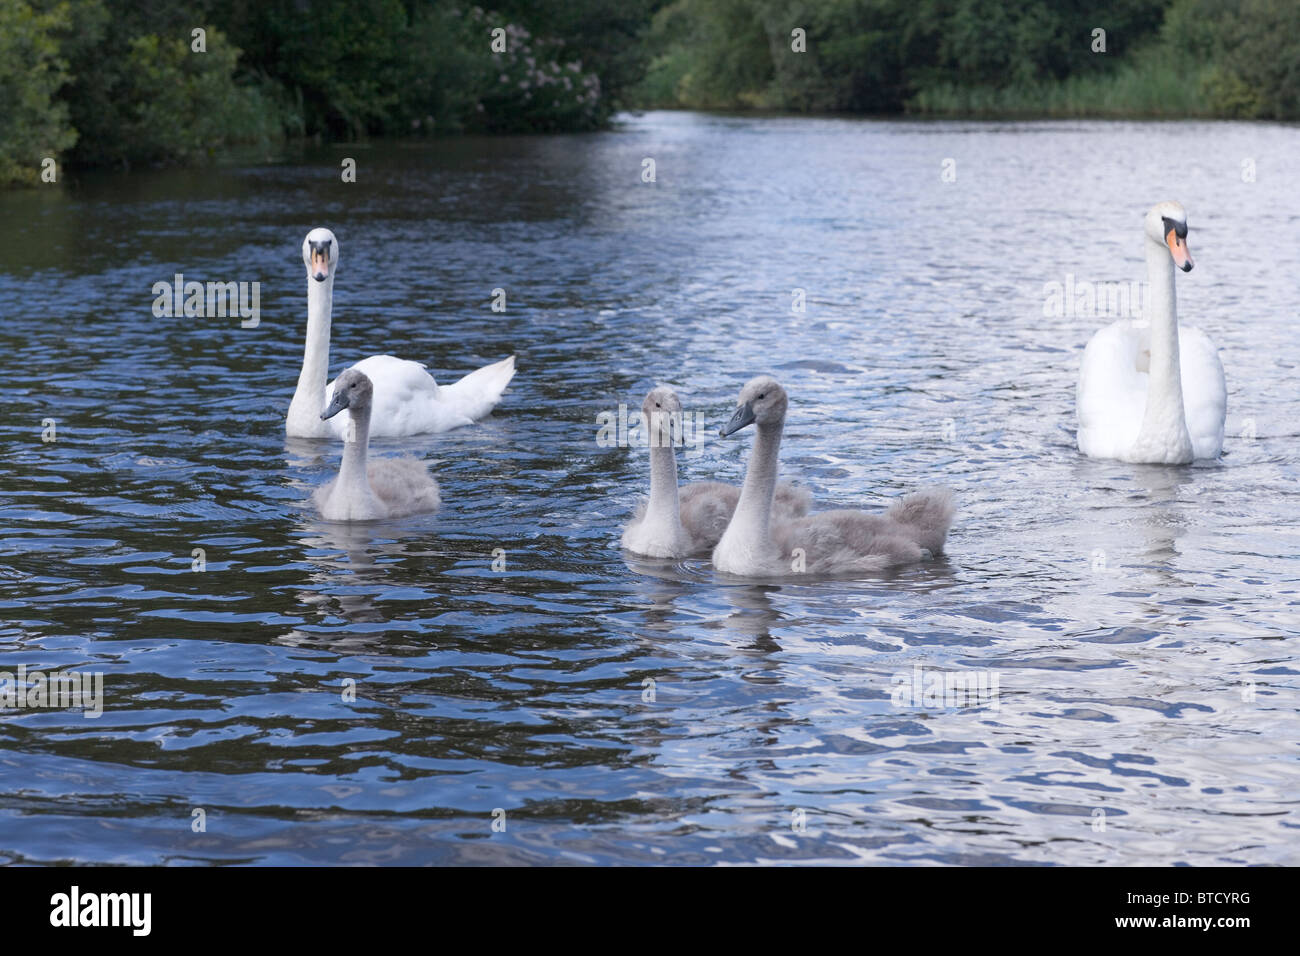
(529, 89)
(964, 57)
(102, 82)
(427, 67)
(606, 36)
(33, 125)
(1259, 70)
(117, 82)
(139, 93)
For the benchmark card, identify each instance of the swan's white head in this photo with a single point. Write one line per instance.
(352, 390)
(320, 253)
(762, 401)
(1166, 224)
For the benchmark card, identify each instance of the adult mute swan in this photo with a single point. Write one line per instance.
(676, 522)
(366, 491)
(407, 400)
(1153, 391)
(829, 542)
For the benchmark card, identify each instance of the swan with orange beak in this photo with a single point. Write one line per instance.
(407, 399)
(1150, 390)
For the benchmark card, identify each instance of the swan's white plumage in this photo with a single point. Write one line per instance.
(1153, 391)
(407, 399)
(1112, 391)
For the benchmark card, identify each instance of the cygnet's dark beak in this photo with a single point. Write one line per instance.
(336, 405)
(744, 416)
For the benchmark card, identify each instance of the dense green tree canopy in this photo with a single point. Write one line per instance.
(120, 82)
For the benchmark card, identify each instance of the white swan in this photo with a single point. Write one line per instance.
(407, 399)
(830, 542)
(675, 522)
(366, 491)
(1153, 391)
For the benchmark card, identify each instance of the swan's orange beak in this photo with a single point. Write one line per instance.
(1178, 249)
(320, 265)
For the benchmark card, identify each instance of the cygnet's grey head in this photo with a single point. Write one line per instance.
(661, 400)
(662, 413)
(1166, 225)
(352, 390)
(762, 402)
(320, 253)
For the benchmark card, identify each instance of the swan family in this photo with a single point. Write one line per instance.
(1149, 391)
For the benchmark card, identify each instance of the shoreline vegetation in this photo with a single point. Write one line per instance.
(121, 84)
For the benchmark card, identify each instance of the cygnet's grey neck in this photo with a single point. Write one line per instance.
(356, 446)
(754, 510)
(663, 508)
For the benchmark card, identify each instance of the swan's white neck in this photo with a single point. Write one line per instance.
(748, 536)
(309, 398)
(1164, 435)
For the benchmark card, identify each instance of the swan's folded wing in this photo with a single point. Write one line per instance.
(475, 395)
(1111, 395)
(925, 516)
(1205, 392)
(407, 400)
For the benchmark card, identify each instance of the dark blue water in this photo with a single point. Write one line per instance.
(1140, 624)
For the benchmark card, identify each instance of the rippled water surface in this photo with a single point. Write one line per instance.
(1140, 622)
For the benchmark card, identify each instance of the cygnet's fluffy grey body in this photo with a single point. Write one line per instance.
(675, 522)
(370, 490)
(760, 543)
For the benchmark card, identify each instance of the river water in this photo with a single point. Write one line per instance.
(524, 691)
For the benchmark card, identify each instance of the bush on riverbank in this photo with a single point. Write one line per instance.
(121, 83)
(1224, 58)
(33, 124)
